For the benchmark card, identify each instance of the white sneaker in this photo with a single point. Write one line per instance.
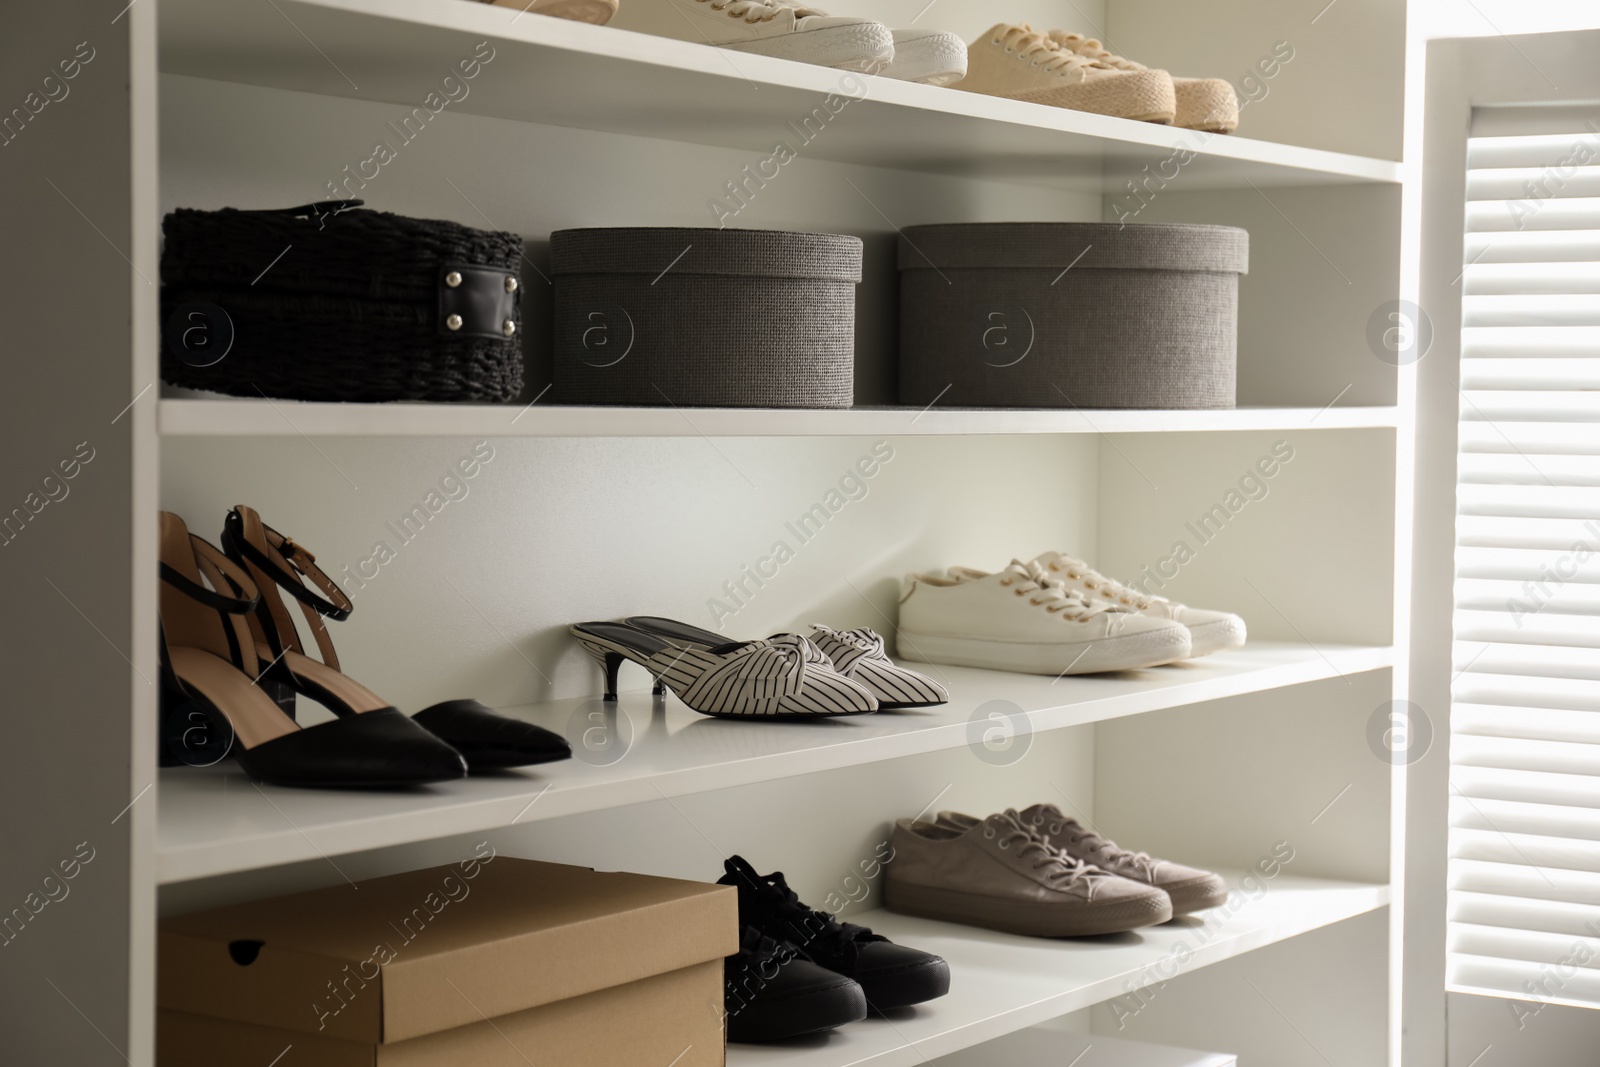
(1022, 620)
(598, 12)
(1209, 631)
(927, 56)
(768, 28)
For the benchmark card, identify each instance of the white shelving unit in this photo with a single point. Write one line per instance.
(597, 78)
(1045, 1045)
(277, 418)
(218, 823)
(1006, 983)
(596, 512)
(1048, 1045)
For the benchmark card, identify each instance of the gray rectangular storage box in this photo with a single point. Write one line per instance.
(704, 317)
(1070, 314)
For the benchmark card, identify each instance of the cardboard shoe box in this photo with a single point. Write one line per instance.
(494, 961)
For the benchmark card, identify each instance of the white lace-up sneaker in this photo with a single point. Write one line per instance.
(1019, 63)
(1209, 631)
(1021, 620)
(598, 12)
(927, 56)
(768, 28)
(1208, 104)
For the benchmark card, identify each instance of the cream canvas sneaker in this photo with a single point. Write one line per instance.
(1202, 103)
(927, 56)
(1021, 620)
(597, 12)
(1021, 64)
(1189, 888)
(1209, 631)
(768, 28)
(996, 873)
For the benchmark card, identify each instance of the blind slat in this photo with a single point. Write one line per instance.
(1515, 817)
(1524, 845)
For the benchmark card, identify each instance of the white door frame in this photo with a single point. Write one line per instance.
(1461, 74)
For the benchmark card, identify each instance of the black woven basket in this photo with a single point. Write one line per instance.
(323, 302)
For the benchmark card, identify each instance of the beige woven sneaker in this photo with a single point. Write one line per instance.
(997, 874)
(598, 12)
(1209, 631)
(1019, 63)
(800, 33)
(1189, 888)
(1202, 103)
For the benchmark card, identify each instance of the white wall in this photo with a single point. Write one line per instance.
(1492, 1032)
(1484, 18)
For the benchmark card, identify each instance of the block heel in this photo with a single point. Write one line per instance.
(486, 739)
(213, 707)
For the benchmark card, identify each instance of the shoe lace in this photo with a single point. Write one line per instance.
(814, 930)
(1092, 49)
(1107, 588)
(757, 947)
(1038, 49)
(801, 10)
(1115, 855)
(767, 10)
(1031, 580)
(1058, 870)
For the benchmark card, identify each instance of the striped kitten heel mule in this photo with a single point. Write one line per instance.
(742, 679)
(855, 654)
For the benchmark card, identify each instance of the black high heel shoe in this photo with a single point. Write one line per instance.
(209, 667)
(488, 740)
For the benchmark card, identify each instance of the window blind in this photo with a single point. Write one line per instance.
(1524, 867)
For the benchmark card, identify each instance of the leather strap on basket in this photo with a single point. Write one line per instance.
(279, 562)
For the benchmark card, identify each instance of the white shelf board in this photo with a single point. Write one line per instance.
(1039, 1047)
(215, 821)
(1001, 983)
(563, 73)
(274, 418)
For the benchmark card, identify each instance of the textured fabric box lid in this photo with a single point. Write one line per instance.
(424, 951)
(1057, 245)
(702, 250)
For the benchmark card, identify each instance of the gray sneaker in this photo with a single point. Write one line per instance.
(996, 873)
(1190, 888)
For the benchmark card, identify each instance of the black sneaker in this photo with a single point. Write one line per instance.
(772, 992)
(892, 976)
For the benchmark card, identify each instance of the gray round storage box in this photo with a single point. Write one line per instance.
(704, 317)
(1070, 314)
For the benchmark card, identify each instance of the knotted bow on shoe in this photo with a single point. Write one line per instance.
(852, 646)
(759, 670)
(809, 649)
